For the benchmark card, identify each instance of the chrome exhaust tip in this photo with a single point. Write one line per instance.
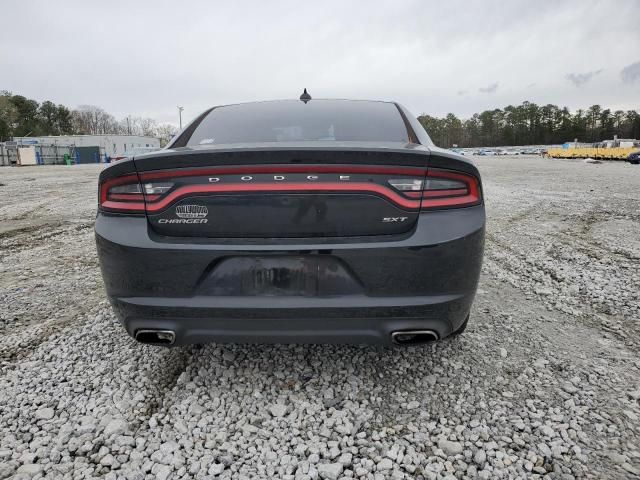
(413, 337)
(156, 337)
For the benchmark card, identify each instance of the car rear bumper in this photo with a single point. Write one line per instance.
(424, 280)
(292, 319)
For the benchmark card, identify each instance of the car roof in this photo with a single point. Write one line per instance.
(293, 100)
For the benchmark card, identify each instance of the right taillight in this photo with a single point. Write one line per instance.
(441, 189)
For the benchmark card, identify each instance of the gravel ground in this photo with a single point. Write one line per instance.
(544, 382)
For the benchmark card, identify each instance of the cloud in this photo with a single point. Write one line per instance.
(462, 92)
(579, 79)
(489, 88)
(631, 73)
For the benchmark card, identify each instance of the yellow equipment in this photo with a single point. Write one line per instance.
(615, 153)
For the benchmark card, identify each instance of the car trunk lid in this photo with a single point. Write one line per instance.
(284, 191)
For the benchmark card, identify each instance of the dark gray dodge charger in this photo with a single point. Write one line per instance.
(305, 221)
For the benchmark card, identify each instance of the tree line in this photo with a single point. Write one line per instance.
(21, 117)
(530, 124)
(525, 124)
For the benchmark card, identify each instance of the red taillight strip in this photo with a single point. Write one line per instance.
(463, 177)
(444, 193)
(413, 194)
(291, 187)
(430, 199)
(129, 207)
(459, 201)
(283, 169)
(127, 197)
(132, 197)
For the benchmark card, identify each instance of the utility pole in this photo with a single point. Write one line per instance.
(129, 124)
(180, 113)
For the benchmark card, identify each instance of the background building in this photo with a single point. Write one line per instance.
(109, 145)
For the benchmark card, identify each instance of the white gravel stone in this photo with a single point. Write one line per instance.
(115, 427)
(345, 459)
(30, 469)
(162, 472)
(278, 410)
(216, 469)
(330, 471)
(413, 405)
(450, 448)
(480, 457)
(617, 457)
(44, 413)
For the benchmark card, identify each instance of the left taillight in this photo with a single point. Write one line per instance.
(126, 194)
(121, 194)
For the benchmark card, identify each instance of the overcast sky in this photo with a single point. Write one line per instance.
(145, 58)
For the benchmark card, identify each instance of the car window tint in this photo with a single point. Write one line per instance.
(295, 121)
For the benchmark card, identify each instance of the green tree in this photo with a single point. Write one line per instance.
(548, 119)
(27, 120)
(8, 116)
(434, 127)
(452, 130)
(593, 116)
(618, 119)
(632, 124)
(607, 124)
(471, 134)
(64, 120)
(47, 117)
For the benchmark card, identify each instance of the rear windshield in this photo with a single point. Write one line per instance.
(294, 121)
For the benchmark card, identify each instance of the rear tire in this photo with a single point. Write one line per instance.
(462, 327)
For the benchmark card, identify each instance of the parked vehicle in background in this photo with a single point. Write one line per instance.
(634, 158)
(313, 221)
